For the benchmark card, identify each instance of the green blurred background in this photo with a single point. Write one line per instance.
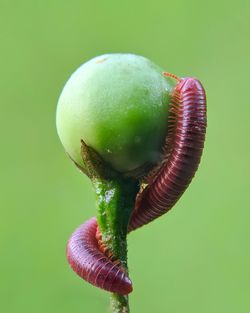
(195, 259)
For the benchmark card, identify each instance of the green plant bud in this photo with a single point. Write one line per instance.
(118, 105)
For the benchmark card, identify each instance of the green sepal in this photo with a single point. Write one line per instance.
(94, 165)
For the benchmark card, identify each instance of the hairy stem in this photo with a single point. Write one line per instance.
(115, 202)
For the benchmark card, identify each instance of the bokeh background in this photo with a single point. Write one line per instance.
(195, 259)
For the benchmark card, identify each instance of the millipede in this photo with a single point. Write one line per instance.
(183, 147)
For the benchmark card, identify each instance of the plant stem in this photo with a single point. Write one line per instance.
(119, 303)
(115, 202)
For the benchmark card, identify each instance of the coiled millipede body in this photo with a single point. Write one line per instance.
(90, 262)
(87, 256)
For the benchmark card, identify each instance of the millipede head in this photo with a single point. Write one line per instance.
(189, 83)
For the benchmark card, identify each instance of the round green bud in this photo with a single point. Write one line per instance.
(118, 105)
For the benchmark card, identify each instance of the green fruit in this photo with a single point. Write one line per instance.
(118, 105)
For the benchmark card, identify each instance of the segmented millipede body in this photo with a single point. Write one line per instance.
(91, 264)
(183, 150)
(86, 253)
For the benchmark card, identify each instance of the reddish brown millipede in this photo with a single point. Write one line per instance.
(183, 150)
(88, 257)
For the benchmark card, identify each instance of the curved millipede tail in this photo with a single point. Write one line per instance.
(91, 264)
(183, 150)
